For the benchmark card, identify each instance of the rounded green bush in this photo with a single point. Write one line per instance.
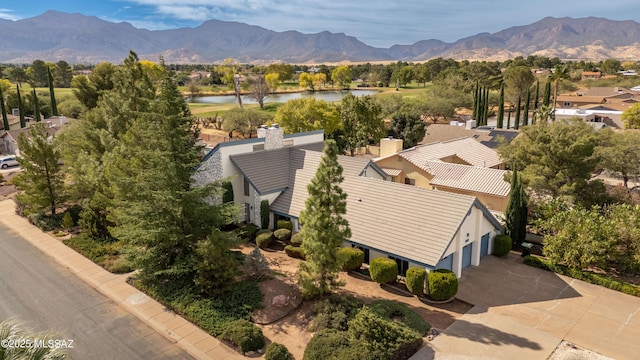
(244, 335)
(383, 270)
(442, 284)
(282, 234)
(277, 351)
(264, 238)
(296, 239)
(415, 280)
(284, 224)
(351, 258)
(247, 232)
(325, 344)
(294, 252)
(502, 245)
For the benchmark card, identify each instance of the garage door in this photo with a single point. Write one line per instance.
(446, 263)
(466, 255)
(484, 245)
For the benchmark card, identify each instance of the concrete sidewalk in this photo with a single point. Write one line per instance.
(186, 335)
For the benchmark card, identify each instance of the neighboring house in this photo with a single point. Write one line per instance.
(461, 166)
(591, 75)
(594, 115)
(597, 105)
(416, 227)
(10, 138)
(486, 135)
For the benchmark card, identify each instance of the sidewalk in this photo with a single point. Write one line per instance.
(189, 337)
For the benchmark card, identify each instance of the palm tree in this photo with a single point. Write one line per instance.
(560, 73)
(11, 330)
(544, 113)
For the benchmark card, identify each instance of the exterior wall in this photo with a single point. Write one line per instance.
(372, 173)
(270, 198)
(409, 170)
(492, 202)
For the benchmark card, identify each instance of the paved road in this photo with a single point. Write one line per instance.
(38, 291)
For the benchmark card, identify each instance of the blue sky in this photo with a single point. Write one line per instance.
(379, 23)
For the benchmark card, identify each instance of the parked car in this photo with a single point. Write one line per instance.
(7, 161)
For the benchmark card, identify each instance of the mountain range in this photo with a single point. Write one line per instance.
(77, 38)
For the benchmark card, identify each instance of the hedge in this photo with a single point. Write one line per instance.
(502, 245)
(294, 252)
(296, 239)
(389, 309)
(351, 258)
(277, 351)
(442, 284)
(414, 280)
(282, 234)
(264, 238)
(284, 224)
(244, 335)
(383, 270)
(587, 276)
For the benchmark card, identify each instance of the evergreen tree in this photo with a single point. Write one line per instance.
(324, 226)
(537, 98)
(36, 106)
(408, 127)
(516, 213)
(547, 94)
(42, 180)
(476, 99)
(485, 106)
(516, 123)
(500, 119)
(5, 119)
(23, 124)
(54, 104)
(362, 123)
(525, 120)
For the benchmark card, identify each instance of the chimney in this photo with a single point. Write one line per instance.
(273, 136)
(470, 124)
(390, 146)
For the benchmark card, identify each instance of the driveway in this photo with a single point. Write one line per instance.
(522, 312)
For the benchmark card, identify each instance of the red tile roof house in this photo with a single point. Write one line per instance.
(416, 227)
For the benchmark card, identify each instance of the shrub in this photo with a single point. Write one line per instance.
(257, 266)
(502, 245)
(284, 224)
(325, 344)
(296, 239)
(92, 249)
(390, 339)
(383, 270)
(244, 335)
(117, 264)
(389, 309)
(351, 258)
(227, 192)
(247, 232)
(443, 284)
(45, 222)
(264, 238)
(282, 234)
(277, 351)
(415, 280)
(294, 252)
(264, 214)
(334, 312)
(67, 221)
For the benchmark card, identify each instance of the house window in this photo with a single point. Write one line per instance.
(403, 265)
(410, 181)
(246, 187)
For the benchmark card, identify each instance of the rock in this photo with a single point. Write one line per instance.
(280, 301)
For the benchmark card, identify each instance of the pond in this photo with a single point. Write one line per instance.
(329, 96)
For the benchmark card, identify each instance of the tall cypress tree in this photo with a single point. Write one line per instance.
(54, 104)
(476, 94)
(516, 213)
(525, 120)
(23, 124)
(36, 106)
(547, 94)
(501, 108)
(5, 119)
(516, 123)
(486, 107)
(324, 226)
(537, 98)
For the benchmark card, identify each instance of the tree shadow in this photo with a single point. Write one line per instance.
(487, 335)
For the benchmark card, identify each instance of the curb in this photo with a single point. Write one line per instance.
(195, 341)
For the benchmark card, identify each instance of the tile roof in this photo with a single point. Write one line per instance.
(470, 178)
(391, 172)
(488, 136)
(383, 215)
(467, 149)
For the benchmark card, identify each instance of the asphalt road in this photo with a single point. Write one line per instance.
(37, 291)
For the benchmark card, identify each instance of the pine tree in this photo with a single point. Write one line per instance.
(516, 123)
(5, 119)
(23, 124)
(516, 213)
(54, 104)
(547, 94)
(324, 226)
(36, 106)
(42, 180)
(525, 120)
(500, 119)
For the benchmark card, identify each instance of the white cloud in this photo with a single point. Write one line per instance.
(6, 15)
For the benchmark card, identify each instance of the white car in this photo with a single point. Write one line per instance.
(7, 161)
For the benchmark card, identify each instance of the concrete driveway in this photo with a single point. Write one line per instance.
(522, 312)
